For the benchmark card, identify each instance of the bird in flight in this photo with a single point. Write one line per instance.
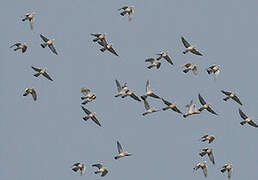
(246, 119)
(121, 152)
(149, 109)
(209, 152)
(171, 106)
(90, 115)
(214, 69)
(203, 166)
(208, 138)
(107, 46)
(227, 167)
(154, 63)
(127, 10)
(149, 92)
(101, 170)
(189, 47)
(192, 109)
(79, 166)
(88, 95)
(188, 67)
(165, 56)
(231, 95)
(49, 43)
(41, 71)
(205, 105)
(31, 18)
(32, 92)
(21, 46)
(98, 36)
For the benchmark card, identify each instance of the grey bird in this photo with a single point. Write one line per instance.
(79, 166)
(49, 43)
(21, 46)
(227, 167)
(149, 92)
(149, 109)
(98, 36)
(32, 92)
(90, 115)
(246, 119)
(231, 95)
(154, 63)
(121, 152)
(101, 170)
(165, 56)
(171, 106)
(31, 18)
(107, 46)
(127, 10)
(205, 105)
(209, 152)
(203, 166)
(41, 71)
(121, 89)
(214, 69)
(189, 47)
(188, 67)
(131, 94)
(192, 109)
(209, 138)
(88, 95)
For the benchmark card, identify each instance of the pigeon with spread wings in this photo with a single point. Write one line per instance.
(31, 18)
(88, 95)
(190, 66)
(171, 106)
(149, 109)
(208, 138)
(203, 166)
(101, 170)
(149, 92)
(41, 71)
(107, 46)
(246, 119)
(227, 167)
(49, 43)
(154, 63)
(189, 47)
(32, 92)
(21, 46)
(79, 166)
(165, 56)
(90, 115)
(209, 152)
(121, 152)
(205, 105)
(231, 95)
(127, 10)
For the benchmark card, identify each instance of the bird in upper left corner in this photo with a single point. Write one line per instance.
(127, 10)
(31, 18)
(21, 46)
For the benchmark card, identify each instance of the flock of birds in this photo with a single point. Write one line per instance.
(123, 91)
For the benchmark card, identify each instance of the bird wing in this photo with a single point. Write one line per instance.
(211, 156)
(134, 96)
(195, 71)
(166, 102)
(111, 49)
(47, 76)
(205, 170)
(53, 49)
(186, 65)
(97, 165)
(118, 86)
(252, 123)
(104, 172)
(123, 8)
(169, 59)
(16, 44)
(229, 173)
(216, 74)
(130, 17)
(83, 170)
(35, 69)
(96, 120)
(226, 92)
(211, 110)
(154, 95)
(237, 100)
(150, 60)
(146, 104)
(186, 44)
(34, 94)
(119, 147)
(148, 86)
(86, 110)
(96, 35)
(194, 51)
(44, 38)
(202, 101)
(32, 23)
(242, 114)
(176, 110)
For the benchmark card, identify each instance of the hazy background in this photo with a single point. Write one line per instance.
(41, 140)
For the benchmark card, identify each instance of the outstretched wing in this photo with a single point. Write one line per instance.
(146, 104)
(237, 100)
(169, 59)
(96, 120)
(119, 147)
(186, 44)
(97, 165)
(147, 85)
(35, 69)
(111, 49)
(166, 102)
(118, 86)
(226, 92)
(44, 38)
(53, 49)
(242, 114)
(85, 110)
(194, 51)
(202, 101)
(47, 76)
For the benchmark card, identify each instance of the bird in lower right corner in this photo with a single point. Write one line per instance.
(246, 119)
(227, 167)
(79, 166)
(231, 95)
(209, 152)
(203, 166)
(101, 170)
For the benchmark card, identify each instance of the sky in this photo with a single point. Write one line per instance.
(42, 139)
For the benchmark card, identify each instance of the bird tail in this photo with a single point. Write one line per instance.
(75, 169)
(43, 45)
(37, 74)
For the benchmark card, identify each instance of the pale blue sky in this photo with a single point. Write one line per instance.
(42, 139)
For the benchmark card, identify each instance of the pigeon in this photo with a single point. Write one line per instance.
(49, 43)
(31, 18)
(189, 47)
(21, 46)
(32, 92)
(121, 89)
(79, 166)
(171, 106)
(121, 152)
(127, 10)
(90, 115)
(107, 46)
(246, 119)
(209, 152)
(131, 94)
(149, 92)
(41, 71)
(148, 108)
(101, 170)
(88, 95)
(227, 167)
(98, 36)
(165, 56)
(205, 105)
(208, 138)
(231, 95)
(192, 110)
(203, 166)
(154, 63)
(189, 67)
(214, 69)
